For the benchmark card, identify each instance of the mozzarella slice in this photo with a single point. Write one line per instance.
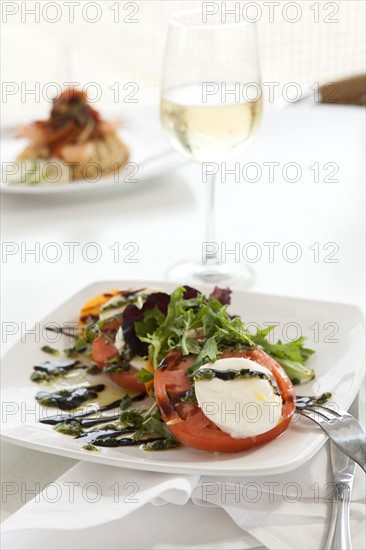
(119, 341)
(242, 407)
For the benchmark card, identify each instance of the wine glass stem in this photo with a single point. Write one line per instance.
(211, 256)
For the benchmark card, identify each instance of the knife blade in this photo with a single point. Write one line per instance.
(339, 535)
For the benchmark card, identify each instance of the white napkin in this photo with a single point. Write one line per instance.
(92, 505)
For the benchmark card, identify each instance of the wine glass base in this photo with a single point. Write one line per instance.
(190, 272)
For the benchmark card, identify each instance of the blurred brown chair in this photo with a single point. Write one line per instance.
(350, 91)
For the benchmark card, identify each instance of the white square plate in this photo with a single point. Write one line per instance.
(335, 331)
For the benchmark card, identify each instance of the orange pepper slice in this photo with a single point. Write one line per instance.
(92, 307)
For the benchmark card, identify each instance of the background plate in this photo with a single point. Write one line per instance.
(150, 155)
(335, 331)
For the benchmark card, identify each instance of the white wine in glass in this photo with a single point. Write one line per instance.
(210, 109)
(210, 131)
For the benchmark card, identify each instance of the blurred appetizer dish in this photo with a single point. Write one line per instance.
(75, 143)
(188, 362)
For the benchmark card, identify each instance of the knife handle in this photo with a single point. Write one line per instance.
(339, 537)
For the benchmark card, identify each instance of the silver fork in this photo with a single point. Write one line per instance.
(339, 534)
(341, 427)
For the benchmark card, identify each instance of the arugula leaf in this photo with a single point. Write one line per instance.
(297, 372)
(193, 347)
(153, 425)
(291, 356)
(208, 353)
(131, 419)
(143, 375)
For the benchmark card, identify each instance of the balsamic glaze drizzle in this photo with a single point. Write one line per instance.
(56, 419)
(63, 330)
(68, 399)
(53, 368)
(96, 436)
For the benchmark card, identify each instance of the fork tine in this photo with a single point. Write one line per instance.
(312, 410)
(328, 410)
(315, 407)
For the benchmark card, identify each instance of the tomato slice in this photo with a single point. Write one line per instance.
(126, 379)
(103, 350)
(187, 422)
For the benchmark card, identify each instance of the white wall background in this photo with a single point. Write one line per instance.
(36, 53)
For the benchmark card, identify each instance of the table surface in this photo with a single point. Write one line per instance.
(165, 217)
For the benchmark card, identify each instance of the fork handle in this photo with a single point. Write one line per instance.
(339, 537)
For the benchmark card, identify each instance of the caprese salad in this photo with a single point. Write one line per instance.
(189, 373)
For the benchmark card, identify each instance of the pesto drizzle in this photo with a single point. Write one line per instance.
(242, 374)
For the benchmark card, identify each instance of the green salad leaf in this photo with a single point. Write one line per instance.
(203, 327)
(292, 356)
(144, 376)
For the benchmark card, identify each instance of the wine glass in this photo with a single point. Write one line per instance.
(210, 109)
